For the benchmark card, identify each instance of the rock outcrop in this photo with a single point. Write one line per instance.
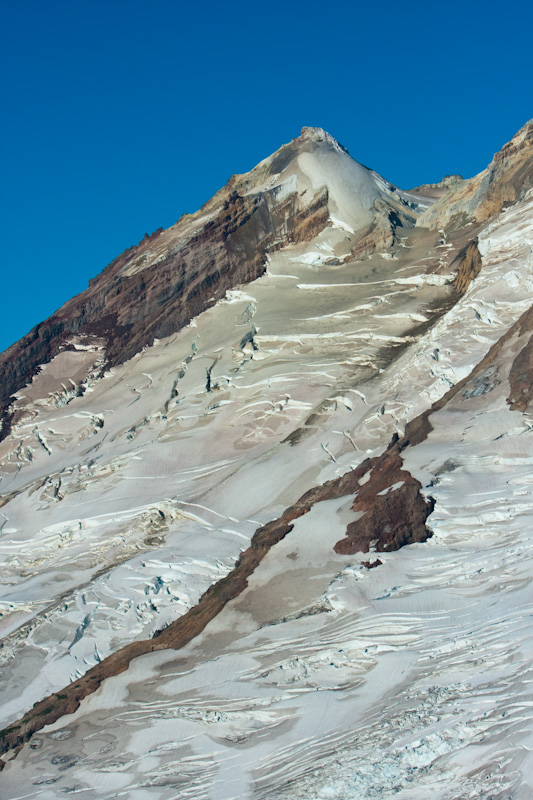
(394, 510)
(507, 178)
(438, 189)
(521, 372)
(468, 265)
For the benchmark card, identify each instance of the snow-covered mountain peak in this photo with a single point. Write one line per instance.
(266, 501)
(156, 287)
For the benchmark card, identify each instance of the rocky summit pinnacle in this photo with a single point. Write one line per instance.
(266, 506)
(320, 135)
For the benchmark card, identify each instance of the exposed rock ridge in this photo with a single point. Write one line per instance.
(445, 183)
(395, 511)
(507, 179)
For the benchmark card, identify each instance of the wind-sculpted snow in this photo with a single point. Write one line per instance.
(127, 495)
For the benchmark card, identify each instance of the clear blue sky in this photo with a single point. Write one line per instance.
(119, 116)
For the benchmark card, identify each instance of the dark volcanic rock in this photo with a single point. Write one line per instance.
(395, 511)
(521, 373)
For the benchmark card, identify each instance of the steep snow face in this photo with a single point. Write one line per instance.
(353, 189)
